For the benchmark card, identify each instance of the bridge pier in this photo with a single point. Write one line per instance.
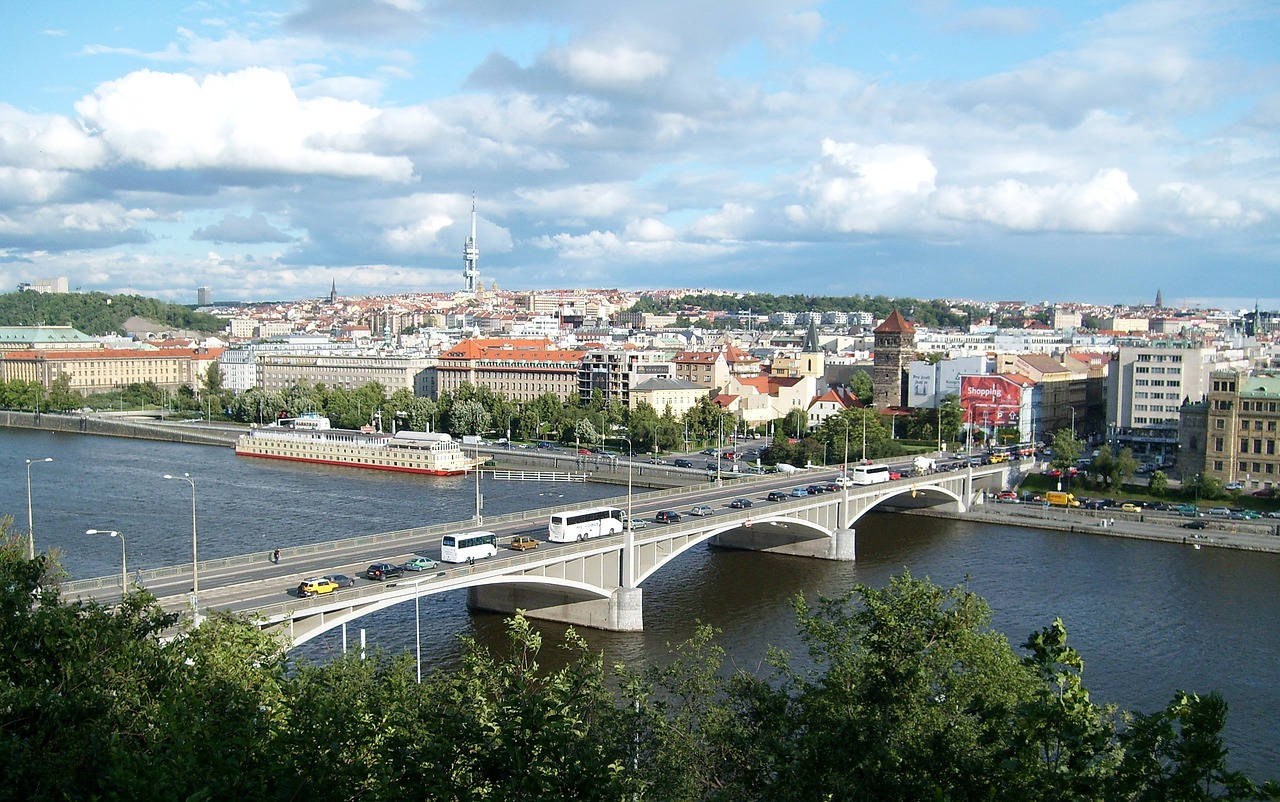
(622, 611)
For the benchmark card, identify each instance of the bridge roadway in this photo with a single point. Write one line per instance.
(594, 583)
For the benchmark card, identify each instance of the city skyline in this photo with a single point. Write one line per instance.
(934, 149)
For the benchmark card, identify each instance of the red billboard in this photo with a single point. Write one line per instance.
(990, 401)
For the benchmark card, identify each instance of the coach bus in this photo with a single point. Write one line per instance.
(566, 527)
(468, 546)
(869, 474)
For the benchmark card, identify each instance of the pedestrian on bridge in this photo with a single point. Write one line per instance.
(275, 556)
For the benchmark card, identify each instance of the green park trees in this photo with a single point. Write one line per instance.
(906, 694)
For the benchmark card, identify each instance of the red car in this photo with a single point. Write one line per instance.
(586, 451)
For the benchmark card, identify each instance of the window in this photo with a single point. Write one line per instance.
(1217, 444)
(1244, 445)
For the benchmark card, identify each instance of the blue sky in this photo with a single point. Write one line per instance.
(1087, 151)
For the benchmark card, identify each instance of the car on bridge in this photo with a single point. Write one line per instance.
(813, 490)
(316, 587)
(740, 503)
(667, 517)
(1194, 525)
(383, 571)
(522, 543)
(777, 495)
(683, 463)
(341, 580)
(799, 492)
(700, 510)
(421, 564)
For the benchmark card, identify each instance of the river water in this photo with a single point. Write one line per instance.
(1149, 618)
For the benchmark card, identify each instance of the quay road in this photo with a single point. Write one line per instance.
(253, 583)
(1257, 535)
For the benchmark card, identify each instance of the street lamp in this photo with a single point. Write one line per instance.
(195, 558)
(124, 565)
(629, 532)
(31, 534)
(1073, 423)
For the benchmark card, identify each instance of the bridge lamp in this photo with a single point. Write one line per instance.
(195, 554)
(124, 565)
(31, 534)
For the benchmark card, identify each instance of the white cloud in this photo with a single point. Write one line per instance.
(617, 68)
(247, 120)
(47, 141)
(732, 222)
(866, 188)
(1200, 204)
(1105, 203)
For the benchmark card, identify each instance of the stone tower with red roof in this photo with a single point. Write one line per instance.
(894, 349)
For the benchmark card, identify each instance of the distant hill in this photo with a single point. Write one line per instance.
(97, 313)
(928, 313)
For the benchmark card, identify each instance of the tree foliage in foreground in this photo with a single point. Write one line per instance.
(907, 694)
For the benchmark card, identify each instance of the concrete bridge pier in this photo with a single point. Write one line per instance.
(621, 611)
(842, 545)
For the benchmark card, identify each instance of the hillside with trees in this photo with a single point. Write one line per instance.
(906, 693)
(926, 313)
(96, 313)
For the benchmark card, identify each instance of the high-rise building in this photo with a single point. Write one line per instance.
(204, 296)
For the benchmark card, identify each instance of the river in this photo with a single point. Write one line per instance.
(1149, 618)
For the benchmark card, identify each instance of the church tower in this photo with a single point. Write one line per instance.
(471, 254)
(895, 347)
(333, 292)
(1159, 299)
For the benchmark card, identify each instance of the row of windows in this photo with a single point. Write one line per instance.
(1257, 406)
(1159, 357)
(1257, 425)
(1257, 446)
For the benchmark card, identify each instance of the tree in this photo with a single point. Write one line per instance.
(468, 417)
(1067, 448)
(1159, 483)
(861, 386)
(61, 398)
(211, 380)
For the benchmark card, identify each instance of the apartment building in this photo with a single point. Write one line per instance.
(276, 371)
(103, 370)
(521, 370)
(1146, 386)
(613, 373)
(1242, 440)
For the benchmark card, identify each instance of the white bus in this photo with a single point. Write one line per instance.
(869, 474)
(567, 527)
(468, 546)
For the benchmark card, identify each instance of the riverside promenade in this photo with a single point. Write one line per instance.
(1259, 535)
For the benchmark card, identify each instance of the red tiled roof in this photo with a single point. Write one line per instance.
(895, 323)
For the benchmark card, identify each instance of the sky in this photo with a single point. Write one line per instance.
(1067, 151)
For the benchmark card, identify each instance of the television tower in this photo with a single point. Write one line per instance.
(470, 254)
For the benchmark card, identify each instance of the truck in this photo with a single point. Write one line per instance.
(1061, 499)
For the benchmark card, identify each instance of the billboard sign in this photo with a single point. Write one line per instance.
(990, 401)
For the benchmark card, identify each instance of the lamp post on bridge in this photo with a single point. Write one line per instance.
(124, 565)
(628, 531)
(31, 533)
(195, 552)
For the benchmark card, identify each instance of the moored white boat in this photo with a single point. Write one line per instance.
(310, 438)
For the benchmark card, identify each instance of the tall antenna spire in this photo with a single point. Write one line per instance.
(470, 254)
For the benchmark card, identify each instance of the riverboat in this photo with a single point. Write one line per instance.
(310, 438)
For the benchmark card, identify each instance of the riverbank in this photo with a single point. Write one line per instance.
(117, 425)
(1243, 535)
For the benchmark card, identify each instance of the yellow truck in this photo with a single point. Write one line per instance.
(1061, 499)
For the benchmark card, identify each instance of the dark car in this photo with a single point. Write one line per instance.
(1194, 525)
(667, 517)
(814, 490)
(683, 463)
(740, 503)
(383, 571)
(341, 580)
(831, 487)
(777, 495)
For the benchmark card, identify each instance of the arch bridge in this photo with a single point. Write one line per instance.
(597, 583)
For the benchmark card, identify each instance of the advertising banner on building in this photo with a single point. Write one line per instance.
(990, 401)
